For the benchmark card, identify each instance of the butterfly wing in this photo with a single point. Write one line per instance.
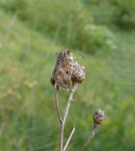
(64, 72)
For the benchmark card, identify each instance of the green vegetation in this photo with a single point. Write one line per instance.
(70, 24)
(119, 13)
(31, 33)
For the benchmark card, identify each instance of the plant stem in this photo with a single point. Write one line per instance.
(90, 137)
(61, 136)
(73, 130)
(69, 101)
(57, 105)
(65, 115)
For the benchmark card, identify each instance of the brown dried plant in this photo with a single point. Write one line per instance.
(65, 71)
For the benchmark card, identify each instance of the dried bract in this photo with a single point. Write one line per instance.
(78, 74)
(98, 117)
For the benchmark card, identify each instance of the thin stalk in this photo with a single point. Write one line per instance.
(90, 137)
(68, 141)
(63, 121)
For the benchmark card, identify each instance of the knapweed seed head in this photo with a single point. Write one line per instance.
(98, 117)
(78, 74)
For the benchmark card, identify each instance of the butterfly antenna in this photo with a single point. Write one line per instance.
(79, 55)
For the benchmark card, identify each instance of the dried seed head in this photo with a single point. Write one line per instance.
(98, 117)
(78, 74)
(66, 70)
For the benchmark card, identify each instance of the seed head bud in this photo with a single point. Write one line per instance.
(98, 117)
(78, 74)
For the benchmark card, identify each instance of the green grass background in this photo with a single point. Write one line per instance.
(28, 117)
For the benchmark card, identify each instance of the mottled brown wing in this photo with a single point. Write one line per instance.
(53, 78)
(64, 72)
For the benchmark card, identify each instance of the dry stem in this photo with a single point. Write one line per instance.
(69, 101)
(90, 137)
(57, 105)
(65, 116)
(73, 130)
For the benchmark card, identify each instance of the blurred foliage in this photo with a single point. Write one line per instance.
(31, 32)
(70, 24)
(113, 12)
(93, 37)
(124, 13)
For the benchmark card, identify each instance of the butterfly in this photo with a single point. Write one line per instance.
(63, 70)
